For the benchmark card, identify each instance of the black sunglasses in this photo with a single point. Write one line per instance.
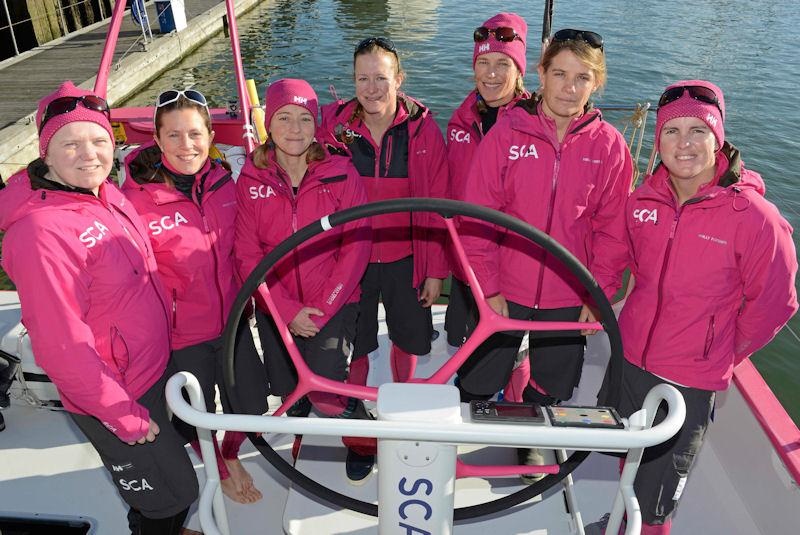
(505, 34)
(64, 105)
(594, 40)
(697, 92)
(383, 42)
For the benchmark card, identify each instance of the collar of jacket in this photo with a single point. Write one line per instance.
(531, 106)
(37, 170)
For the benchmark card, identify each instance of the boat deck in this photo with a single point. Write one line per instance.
(48, 468)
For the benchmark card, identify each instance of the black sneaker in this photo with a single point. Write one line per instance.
(358, 467)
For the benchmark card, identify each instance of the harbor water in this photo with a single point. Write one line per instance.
(747, 47)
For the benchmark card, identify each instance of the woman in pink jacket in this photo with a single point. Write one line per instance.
(94, 307)
(498, 63)
(188, 202)
(715, 267)
(286, 184)
(554, 163)
(399, 151)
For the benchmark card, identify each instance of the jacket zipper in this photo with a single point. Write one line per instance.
(556, 170)
(212, 247)
(660, 292)
(174, 308)
(118, 216)
(376, 242)
(295, 257)
(387, 160)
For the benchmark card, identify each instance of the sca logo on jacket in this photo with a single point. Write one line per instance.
(166, 223)
(459, 136)
(93, 234)
(643, 215)
(515, 152)
(261, 192)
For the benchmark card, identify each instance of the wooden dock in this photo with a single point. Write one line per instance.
(28, 77)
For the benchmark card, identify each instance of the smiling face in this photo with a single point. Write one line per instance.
(292, 130)
(377, 82)
(687, 146)
(80, 154)
(184, 139)
(566, 85)
(496, 77)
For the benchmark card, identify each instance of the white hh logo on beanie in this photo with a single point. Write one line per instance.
(300, 100)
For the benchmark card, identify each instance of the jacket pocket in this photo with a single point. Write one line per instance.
(119, 350)
(709, 338)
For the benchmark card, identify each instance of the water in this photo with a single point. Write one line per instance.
(747, 47)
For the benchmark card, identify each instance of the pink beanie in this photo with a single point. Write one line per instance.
(80, 113)
(514, 49)
(686, 106)
(289, 91)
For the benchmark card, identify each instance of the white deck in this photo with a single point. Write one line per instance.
(739, 486)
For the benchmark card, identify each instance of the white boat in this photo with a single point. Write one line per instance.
(745, 481)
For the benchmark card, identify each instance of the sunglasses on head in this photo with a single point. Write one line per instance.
(383, 42)
(697, 92)
(594, 40)
(172, 95)
(504, 34)
(64, 105)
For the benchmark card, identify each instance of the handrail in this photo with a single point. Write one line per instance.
(460, 433)
(638, 436)
(59, 11)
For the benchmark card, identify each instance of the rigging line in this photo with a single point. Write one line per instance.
(789, 328)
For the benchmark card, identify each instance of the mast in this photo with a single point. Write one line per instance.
(241, 85)
(101, 82)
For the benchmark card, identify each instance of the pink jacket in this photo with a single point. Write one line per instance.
(427, 170)
(94, 308)
(574, 191)
(193, 243)
(325, 272)
(464, 134)
(714, 277)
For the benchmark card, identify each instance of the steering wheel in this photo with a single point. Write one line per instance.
(489, 323)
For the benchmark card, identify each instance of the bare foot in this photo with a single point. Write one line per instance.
(229, 489)
(243, 481)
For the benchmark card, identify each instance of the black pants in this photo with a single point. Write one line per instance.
(665, 467)
(205, 361)
(556, 357)
(460, 306)
(326, 353)
(155, 478)
(409, 323)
